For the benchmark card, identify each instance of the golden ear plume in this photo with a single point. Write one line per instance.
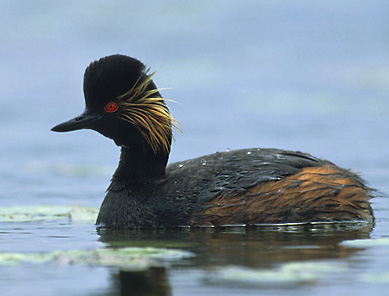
(146, 110)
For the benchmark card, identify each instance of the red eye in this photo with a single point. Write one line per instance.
(111, 107)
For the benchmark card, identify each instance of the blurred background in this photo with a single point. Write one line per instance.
(299, 75)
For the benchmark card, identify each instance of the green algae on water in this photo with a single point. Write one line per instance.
(75, 214)
(128, 258)
(287, 275)
(364, 243)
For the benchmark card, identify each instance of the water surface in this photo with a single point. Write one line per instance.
(308, 76)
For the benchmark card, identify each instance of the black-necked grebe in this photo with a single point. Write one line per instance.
(248, 186)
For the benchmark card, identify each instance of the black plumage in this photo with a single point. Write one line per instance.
(247, 186)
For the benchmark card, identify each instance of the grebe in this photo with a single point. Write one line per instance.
(248, 186)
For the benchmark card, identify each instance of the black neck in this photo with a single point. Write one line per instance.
(138, 164)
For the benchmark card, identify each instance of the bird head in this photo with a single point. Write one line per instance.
(123, 103)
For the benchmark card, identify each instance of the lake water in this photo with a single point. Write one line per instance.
(298, 75)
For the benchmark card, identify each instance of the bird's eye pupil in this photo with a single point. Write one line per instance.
(111, 107)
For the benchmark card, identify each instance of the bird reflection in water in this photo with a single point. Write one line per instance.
(149, 282)
(257, 247)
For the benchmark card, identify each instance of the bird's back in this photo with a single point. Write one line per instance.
(253, 186)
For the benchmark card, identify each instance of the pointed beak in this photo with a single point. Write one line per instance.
(85, 120)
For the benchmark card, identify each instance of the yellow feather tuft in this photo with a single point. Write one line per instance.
(146, 110)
